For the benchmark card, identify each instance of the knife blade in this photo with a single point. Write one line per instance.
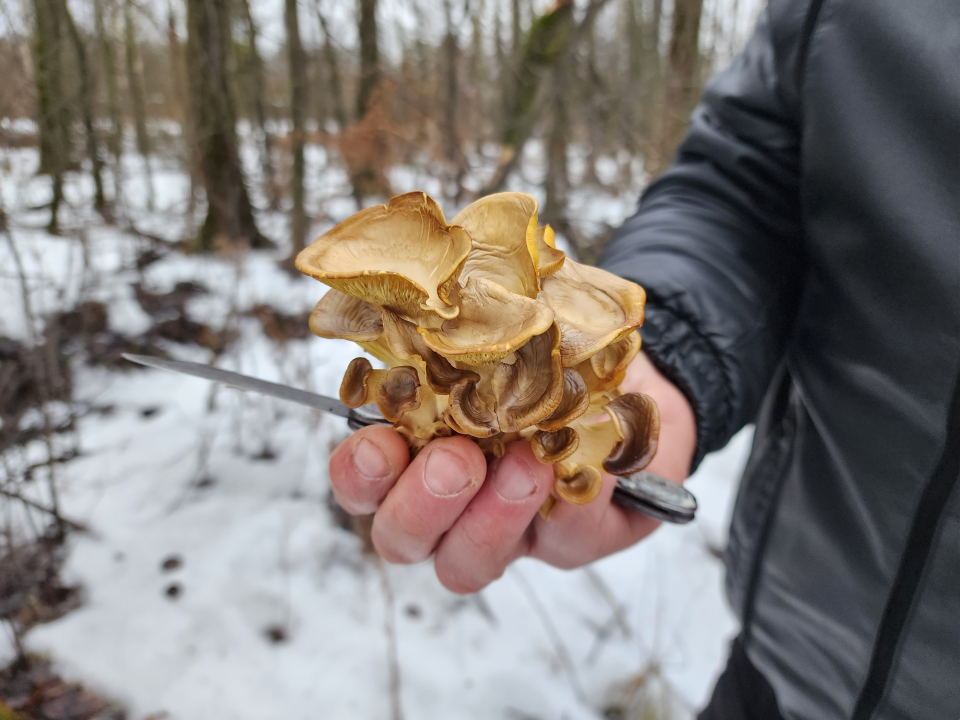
(642, 491)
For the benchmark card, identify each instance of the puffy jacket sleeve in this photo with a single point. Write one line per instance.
(716, 241)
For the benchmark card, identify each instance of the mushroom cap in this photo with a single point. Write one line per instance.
(531, 387)
(606, 369)
(493, 322)
(503, 228)
(552, 447)
(345, 317)
(403, 340)
(593, 308)
(402, 256)
(398, 392)
(354, 386)
(638, 423)
(580, 486)
(573, 403)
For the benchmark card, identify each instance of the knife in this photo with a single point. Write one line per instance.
(642, 491)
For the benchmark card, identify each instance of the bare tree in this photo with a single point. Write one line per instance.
(683, 77)
(255, 72)
(109, 59)
(53, 110)
(87, 91)
(369, 55)
(451, 102)
(333, 71)
(229, 213)
(298, 104)
(137, 101)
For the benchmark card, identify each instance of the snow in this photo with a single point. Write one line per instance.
(236, 487)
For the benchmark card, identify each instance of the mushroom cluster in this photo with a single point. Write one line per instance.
(489, 331)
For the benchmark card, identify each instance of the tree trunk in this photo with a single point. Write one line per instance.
(298, 103)
(369, 55)
(270, 188)
(229, 213)
(178, 79)
(683, 77)
(333, 69)
(135, 85)
(556, 183)
(451, 55)
(109, 57)
(53, 112)
(87, 91)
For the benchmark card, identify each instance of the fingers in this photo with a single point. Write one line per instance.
(578, 534)
(366, 466)
(492, 531)
(427, 499)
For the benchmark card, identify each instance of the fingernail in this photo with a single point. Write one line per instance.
(513, 480)
(370, 461)
(445, 475)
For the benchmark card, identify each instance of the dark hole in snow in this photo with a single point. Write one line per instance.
(206, 482)
(413, 611)
(267, 454)
(297, 495)
(119, 556)
(276, 634)
(149, 412)
(173, 591)
(172, 562)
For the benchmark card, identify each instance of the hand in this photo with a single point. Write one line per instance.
(477, 519)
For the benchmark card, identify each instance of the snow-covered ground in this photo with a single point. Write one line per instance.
(217, 582)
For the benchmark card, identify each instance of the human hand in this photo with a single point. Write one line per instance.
(477, 518)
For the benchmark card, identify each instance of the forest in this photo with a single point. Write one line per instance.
(169, 549)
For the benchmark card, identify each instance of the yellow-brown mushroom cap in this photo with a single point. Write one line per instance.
(345, 317)
(503, 229)
(493, 322)
(401, 256)
(593, 308)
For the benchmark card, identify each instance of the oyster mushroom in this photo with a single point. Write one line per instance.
(503, 229)
(489, 331)
(493, 322)
(344, 317)
(401, 256)
(593, 309)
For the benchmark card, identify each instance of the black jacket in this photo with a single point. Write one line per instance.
(802, 263)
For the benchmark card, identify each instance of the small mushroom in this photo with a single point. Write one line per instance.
(469, 412)
(493, 322)
(398, 392)
(638, 424)
(503, 229)
(573, 403)
(344, 317)
(530, 388)
(353, 387)
(552, 447)
(405, 342)
(593, 309)
(401, 256)
(580, 486)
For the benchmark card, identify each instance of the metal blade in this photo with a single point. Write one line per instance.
(245, 382)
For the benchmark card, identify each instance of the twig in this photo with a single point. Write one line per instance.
(390, 630)
(562, 653)
(619, 616)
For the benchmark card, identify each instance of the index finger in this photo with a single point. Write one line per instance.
(366, 466)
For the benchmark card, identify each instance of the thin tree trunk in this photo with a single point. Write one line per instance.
(135, 84)
(87, 91)
(683, 82)
(229, 213)
(271, 190)
(109, 57)
(556, 183)
(454, 154)
(333, 68)
(178, 75)
(369, 55)
(53, 112)
(298, 103)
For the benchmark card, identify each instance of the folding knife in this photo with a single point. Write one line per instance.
(642, 491)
